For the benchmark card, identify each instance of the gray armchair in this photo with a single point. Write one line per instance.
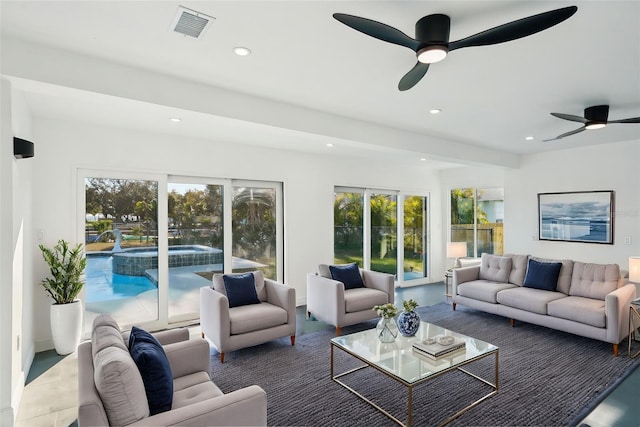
(232, 328)
(329, 301)
(111, 390)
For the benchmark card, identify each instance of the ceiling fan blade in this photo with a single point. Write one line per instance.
(414, 75)
(570, 117)
(632, 120)
(573, 132)
(516, 29)
(378, 30)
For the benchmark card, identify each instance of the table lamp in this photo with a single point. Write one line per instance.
(634, 269)
(458, 250)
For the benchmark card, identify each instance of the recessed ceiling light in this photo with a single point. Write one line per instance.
(175, 119)
(529, 138)
(435, 111)
(423, 159)
(242, 51)
(329, 145)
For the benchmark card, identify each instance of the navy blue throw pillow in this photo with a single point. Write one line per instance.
(542, 275)
(349, 274)
(241, 289)
(154, 368)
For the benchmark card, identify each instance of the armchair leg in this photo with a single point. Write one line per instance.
(453, 306)
(293, 340)
(338, 331)
(221, 357)
(513, 322)
(202, 335)
(615, 350)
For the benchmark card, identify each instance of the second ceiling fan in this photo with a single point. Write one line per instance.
(595, 117)
(432, 36)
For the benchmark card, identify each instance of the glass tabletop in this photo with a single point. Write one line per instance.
(402, 361)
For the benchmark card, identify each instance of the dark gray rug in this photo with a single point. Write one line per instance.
(546, 378)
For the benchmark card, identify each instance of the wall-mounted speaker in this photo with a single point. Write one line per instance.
(22, 149)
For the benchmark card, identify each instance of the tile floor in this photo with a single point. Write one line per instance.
(50, 397)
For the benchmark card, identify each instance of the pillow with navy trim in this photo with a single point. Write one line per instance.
(154, 368)
(241, 289)
(349, 274)
(542, 275)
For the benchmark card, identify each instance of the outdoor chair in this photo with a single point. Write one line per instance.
(243, 310)
(343, 295)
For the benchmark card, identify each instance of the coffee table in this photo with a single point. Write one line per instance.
(397, 360)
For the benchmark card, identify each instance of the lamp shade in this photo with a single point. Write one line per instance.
(457, 249)
(634, 269)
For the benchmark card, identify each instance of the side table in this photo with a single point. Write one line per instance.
(448, 282)
(634, 325)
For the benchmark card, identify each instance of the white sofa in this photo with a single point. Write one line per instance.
(590, 300)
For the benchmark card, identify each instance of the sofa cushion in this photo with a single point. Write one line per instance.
(360, 299)
(255, 317)
(105, 335)
(258, 277)
(528, 299)
(495, 268)
(579, 309)
(594, 280)
(120, 386)
(193, 388)
(564, 277)
(240, 289)
(483, 290)
(519, 265)
(542, 275)
(154, 368)
(348, 274)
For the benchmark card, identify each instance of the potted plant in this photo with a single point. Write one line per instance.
(408, 320)
(386, 327)
(67, 267)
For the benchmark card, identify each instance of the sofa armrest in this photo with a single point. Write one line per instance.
(188, 357)
(465, 274)
(616, 306)
(214, 315)
(244, 407)
(380, 281)
(172, 336)
(281, 295)
(324, 297)
(90, 409)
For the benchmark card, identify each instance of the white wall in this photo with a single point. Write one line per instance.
(309, 180)
(604, 167)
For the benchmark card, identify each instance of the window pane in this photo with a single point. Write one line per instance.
(462, 223)
(490, 215)
(384, 240)
(121, 234)
(254, 230)
(194, 242)
(414, 238)
(347, 229)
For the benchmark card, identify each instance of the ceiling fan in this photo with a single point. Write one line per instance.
(432, 36)
(595, 117)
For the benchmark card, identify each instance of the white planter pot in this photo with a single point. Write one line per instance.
(66, 326)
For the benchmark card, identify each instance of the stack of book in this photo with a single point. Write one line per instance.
(438, 346)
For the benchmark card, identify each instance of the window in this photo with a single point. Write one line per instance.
(367, 224)
(152, 241)
(477, 218)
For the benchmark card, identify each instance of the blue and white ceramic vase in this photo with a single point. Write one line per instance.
(408, 323)
(387, 329)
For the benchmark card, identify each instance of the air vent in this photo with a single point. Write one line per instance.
(190, 23)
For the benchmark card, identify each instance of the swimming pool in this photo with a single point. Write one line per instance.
(103, 284)
(136, 261)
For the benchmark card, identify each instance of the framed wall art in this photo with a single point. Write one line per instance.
(583, 216)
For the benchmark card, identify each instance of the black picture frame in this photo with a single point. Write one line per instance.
(580, 216)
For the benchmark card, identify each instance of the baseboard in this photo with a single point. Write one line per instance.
(301, 301)
(16, 394)
(43, 346)
(7, 417)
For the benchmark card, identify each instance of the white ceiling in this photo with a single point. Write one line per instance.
(491, 96)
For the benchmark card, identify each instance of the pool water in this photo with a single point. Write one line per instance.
(102, 284)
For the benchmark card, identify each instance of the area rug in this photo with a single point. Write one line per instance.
(547, 377)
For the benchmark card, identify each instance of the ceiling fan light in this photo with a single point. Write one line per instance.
(595, 125)
(432, 54)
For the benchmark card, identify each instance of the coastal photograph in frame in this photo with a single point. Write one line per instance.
(584, 216)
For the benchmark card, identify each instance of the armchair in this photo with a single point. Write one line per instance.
(330, 301)
(231, 328)
(111, 390)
